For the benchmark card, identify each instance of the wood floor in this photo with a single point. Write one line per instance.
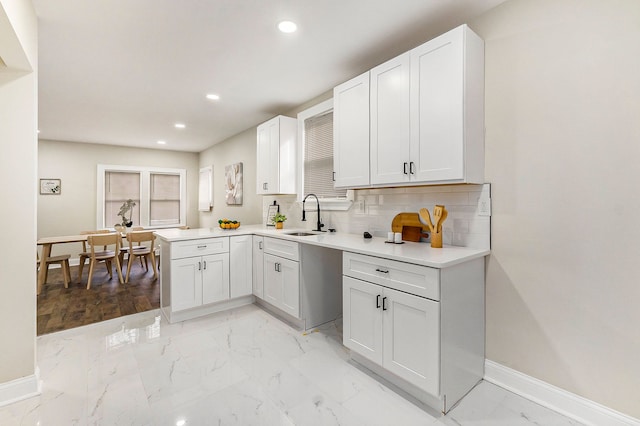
(62, 308)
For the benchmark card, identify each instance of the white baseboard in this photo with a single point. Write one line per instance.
(19, 389)
(554, 398)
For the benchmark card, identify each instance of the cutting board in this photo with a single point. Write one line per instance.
(410, 226)
(413, 233)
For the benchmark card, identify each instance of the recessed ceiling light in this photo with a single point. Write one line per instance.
(179, 125)
(162, 143)
(38, 130)
(213, 97)
(287, 26)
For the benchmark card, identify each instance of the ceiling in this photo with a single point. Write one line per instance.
(123, 72)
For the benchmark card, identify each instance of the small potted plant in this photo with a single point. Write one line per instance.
(127, 207)
(278, 220)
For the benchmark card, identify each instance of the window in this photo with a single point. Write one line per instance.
(318, 157)
(164, 199)
(118, 188)
(159, 194)
(315, 130)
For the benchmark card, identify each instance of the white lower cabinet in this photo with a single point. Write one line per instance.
(199, 280)
(420, 328)
(240, 265)
(396, 330)
(258, 266)
(201, 276)
(282, 283)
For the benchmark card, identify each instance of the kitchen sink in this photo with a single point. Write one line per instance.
(300, 233)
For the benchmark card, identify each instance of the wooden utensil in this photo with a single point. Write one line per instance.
(424, 214)
(445, 213)
(437, 216)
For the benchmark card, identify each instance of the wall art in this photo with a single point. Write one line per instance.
(233, 184)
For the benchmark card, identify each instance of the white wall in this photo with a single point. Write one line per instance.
(18, 122)
(74, 210)
(562, 152)
(240, 148)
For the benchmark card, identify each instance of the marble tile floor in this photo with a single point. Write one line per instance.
(241, 367)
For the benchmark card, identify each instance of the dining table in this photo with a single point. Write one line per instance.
(47, 243)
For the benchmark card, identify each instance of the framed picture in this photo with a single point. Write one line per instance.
(233, 184)
(273, 209)
(50, 186)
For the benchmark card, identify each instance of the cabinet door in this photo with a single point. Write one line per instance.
(412, 339)
(240, 265)
(351, 132)
(215, 278)
(289, 272)
(186, 283)
(272, 283)
(362, 313)
(267, 152)
(437, 108)
(258, 266)
(390, 121)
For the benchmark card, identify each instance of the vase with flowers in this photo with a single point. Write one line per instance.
(127, 207)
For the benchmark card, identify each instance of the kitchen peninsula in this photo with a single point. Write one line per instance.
(412, 314)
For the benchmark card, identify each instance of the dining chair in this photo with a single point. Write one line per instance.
(86, 253)
(106, 255)
(124, 249)
(146, 251)
(62, 260)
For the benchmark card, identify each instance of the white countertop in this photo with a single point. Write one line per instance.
(417, 253)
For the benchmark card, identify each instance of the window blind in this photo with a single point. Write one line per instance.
(164, 202)
(118, 188)
(318, 157)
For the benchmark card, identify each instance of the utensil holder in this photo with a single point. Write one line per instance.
(436, 239)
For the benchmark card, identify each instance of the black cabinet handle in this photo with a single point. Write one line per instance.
(205, 264)
(405, 168)
(382, 270)
(199, 266)
(334, 176)
(411, 168)
(384, 306)
(378, 302)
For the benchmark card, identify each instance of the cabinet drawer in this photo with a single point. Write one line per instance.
(414, 279)
(201, 247)
(282, 248)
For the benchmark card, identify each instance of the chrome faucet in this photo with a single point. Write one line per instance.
(319, 225)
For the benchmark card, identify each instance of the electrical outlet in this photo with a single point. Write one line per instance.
(484, 204)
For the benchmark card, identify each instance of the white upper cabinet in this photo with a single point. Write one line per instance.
(447, 108)
(426, 117)
(389, 106)
(351, 133)
(276, 156)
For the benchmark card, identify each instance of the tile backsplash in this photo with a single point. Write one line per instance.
(374, 209)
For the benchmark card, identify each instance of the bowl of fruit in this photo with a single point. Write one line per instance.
(228, 224)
